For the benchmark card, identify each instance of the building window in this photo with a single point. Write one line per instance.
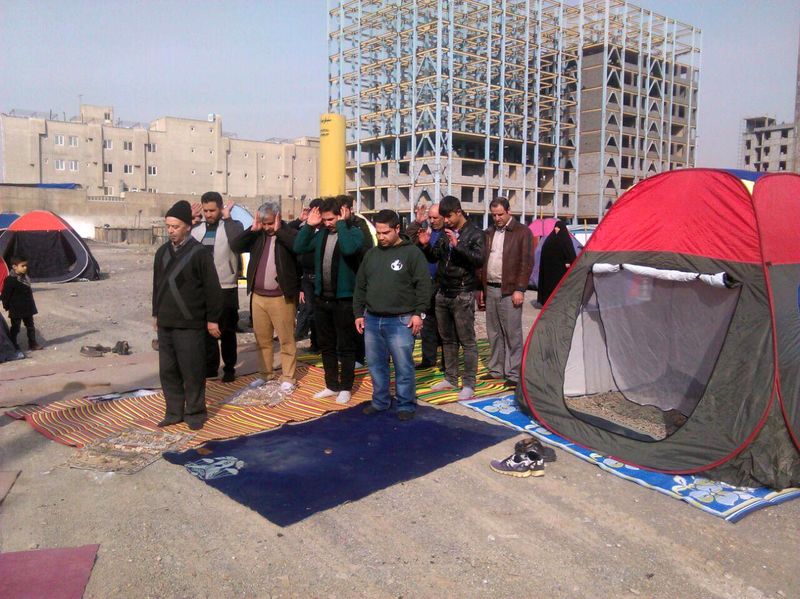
(565, 201)
(152, 170)
(108, 191)
(108, 167)
(58, 140)
(59, 164)
(108, 144)
(107, 116)
(73, 166)
(150, 148)
(127, 169)
(73, 141)
(127, 146)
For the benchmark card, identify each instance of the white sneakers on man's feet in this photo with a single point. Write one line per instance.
(466, 393)
(443, 385)
(287, 387)
(343, 397)
(324, 393)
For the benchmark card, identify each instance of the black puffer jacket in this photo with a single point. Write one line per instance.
(458, 266)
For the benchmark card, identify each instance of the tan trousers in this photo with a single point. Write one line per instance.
(271, 315)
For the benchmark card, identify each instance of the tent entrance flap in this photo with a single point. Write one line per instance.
(647, 337)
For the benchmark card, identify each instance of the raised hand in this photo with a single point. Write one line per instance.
(226, 210)
(452, 237)
(424, 236)
(314, 218)
(197, 213)
(344, 213)
(421, 213)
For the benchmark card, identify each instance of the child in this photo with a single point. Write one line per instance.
(17, 298)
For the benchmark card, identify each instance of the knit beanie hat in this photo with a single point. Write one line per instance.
(181, 210)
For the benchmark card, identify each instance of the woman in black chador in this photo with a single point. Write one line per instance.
(556, 257)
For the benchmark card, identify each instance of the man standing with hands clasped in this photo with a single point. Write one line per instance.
(504, 278)
(187, 301)
(391, 295)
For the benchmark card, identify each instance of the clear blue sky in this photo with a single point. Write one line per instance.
(262, 65)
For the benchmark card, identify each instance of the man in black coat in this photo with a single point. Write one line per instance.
(459, 253)
(187, 302)
(274, 281)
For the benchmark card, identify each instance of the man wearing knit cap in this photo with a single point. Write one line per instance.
(187, 302)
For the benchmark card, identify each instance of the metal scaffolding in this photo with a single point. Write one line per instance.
(480, 98)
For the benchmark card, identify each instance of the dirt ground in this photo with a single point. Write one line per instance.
(460, 531)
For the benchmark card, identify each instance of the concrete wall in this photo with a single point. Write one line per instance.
(135, 210)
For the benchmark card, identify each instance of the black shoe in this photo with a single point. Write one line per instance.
(34, 346)
(424, 365)
(195, 425)
(489, 377)
(169, 422)
(510, 384)
(405, 415)
(228, 377)
(371, 410)
(533, 444)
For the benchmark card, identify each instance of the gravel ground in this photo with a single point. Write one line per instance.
(460, 531)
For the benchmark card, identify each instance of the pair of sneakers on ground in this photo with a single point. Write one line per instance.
(445, 385)
(342, 397)
(527, 460)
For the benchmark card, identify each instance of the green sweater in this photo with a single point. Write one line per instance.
(350, 242)
(393, 280)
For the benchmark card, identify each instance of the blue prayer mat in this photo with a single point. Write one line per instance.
(290, 473)
(713, 497)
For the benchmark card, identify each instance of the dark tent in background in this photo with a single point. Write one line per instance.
(673, 342)
(55, 252)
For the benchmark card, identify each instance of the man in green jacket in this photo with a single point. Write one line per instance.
(393, 289)
(337, 252)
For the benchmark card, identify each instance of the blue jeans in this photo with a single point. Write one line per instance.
(386, 336)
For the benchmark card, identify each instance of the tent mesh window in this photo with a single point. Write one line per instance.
(643, 350)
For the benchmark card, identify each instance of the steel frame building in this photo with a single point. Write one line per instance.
(521, 98)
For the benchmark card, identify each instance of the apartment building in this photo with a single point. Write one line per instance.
(169, 155)
(767, 145)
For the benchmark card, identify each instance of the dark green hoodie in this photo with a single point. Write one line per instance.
(393, 280)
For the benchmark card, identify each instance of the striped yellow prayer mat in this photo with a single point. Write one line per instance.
(78, 422)
(430, 376)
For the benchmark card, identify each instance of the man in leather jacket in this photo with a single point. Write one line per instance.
(460, 255)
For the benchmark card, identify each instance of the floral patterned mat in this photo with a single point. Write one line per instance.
(713, 497)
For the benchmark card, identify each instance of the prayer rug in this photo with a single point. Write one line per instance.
(81, 421)
(52, 573)
(713, 497)
(430, 376)
(289, 474)
(128, 451)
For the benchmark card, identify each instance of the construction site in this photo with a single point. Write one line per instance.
(558, 106)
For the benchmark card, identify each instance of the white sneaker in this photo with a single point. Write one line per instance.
(287, 387)
(343, 397)
(324, 393)
(443, 385)
(466, 393)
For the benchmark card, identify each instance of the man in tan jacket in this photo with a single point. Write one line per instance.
(504, 278)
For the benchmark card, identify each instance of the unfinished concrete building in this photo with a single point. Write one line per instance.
(767, 145)
(557, 106)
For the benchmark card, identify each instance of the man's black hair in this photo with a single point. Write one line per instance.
(448, 205)
(315, 203)
(500, 201)
(389, 218)
(345, 200)
(211, 196)
(331, 205)
(18, 260)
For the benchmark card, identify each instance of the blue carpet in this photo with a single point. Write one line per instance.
(714, 497)
(290, 473)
